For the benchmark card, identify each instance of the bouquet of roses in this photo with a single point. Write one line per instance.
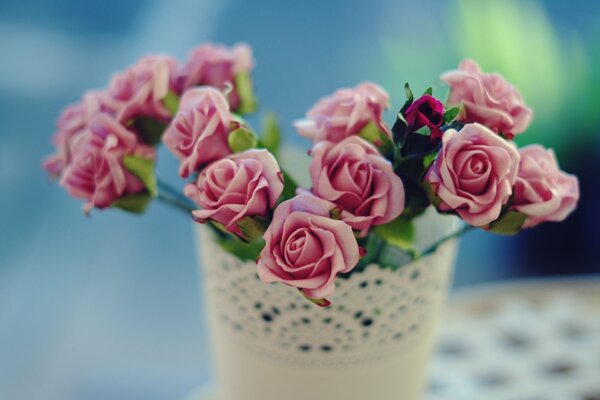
(369, 181)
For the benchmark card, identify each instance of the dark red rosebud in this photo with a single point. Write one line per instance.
(426, 111)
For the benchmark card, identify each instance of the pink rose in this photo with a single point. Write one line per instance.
(345, 113)
(217, 66)
(198, 133)
(243, 184)
(488, 99)
(542, 190)
(97, 173)
(140, 90)
(353, 175)
(71, 124)
(306, 249)
(474, 173)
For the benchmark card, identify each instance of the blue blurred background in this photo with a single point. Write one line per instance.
(108, 307)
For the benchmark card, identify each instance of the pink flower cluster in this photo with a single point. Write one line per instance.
(542, 191)
(97, 173)
(305, 248)
(474, 173)
(363, 173)
(216, 66)
(240, 185)
(198, 133)
(95, 135)
(306, 244)
(478, 174)
(488, 99)
(345, 113)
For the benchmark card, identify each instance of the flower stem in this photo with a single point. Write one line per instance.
(453, 235)
(172, 197)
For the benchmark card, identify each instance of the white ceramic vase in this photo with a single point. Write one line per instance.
(373, 343)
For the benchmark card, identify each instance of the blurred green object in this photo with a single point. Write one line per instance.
(517, 39)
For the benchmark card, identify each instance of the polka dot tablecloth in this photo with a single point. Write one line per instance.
(536, 340)
(523, 341)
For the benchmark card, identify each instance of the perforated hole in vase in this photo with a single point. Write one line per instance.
(374, 312)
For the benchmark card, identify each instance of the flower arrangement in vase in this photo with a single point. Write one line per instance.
(370, 181)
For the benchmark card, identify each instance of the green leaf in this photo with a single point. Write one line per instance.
(387, 145)
(409, 98)
(410, 166)
(135, 203)
(289, 187)
(243, 86)
(423, 131)
(373, 135)
(149, 129)
(242, 250)
(451, 114)
(253, 228)
(271, 138)
(400, 130)
(508, 224)
(371, 244)
(241, 139)
(416, 200)
(393, 257)
(400, 233)
(171, 102)
(370, 132)
(435, 200)
(429, 159)
(221, 228)
(143, 168)
(428, 91)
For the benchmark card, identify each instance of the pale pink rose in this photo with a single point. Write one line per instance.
(69, 127)
(345, 113)
(198, 133)
(488, 99)
(140, 90)
(305, 248)
(96, 173)
(243, 184)
(474, 173)
(542, 190)
(353, 175)
(211, 65)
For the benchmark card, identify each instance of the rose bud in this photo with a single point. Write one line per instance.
(141, 89)
(198, 133)
(71, 124)
(542, 191)
(306, 249)
(474, 173)
(345, 113)
(488, 99)
(96, 173)
(243, 184)
(426, 111)
(217, 66)
(353, 175)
